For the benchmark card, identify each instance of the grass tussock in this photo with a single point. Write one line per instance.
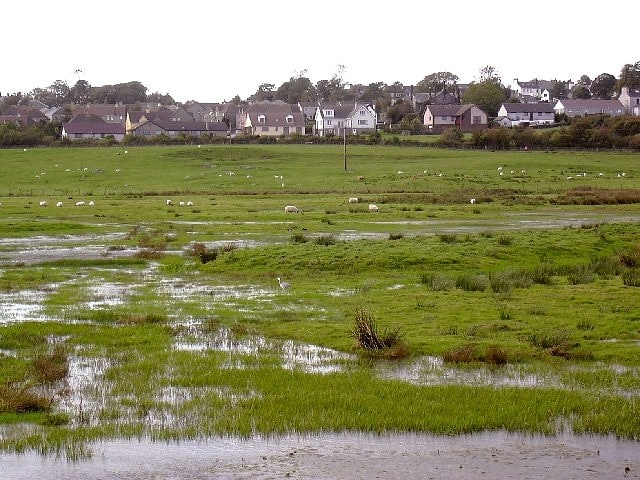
(386, 343)
(15, 399)
(51, 367)
(631, 277)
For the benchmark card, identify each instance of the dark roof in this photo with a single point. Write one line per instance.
(189, 126)
(449, 110)
(92, 124)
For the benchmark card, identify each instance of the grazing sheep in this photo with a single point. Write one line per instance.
(472, 201)
(181, 204)
(80, 204)
(59, 204)
(291, 209)
(91, 203)
(43, 203)
(360, 177)
(373, 208)
(189, 203)
(169, 202)
(353, 200)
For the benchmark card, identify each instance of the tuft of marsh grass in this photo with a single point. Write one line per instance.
(581, 275)
(299, 238)
(437, 282)
(395, 236)
(386, 343)
(631, 277)
(585, 324)
(472, 282)
(448, 237)
(466, 353)
(325, 240)
(552, 339)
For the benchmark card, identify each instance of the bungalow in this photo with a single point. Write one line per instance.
(271, 119)
(84, 126)
(527, 113)
(111, 113)
(582, 108)
(468, 117)
(171, 128)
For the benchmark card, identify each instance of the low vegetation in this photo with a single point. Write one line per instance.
(175, 316)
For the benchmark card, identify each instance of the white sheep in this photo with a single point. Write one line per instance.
(181, 204)
(59, 204)
(80, 204)
(189, 203)
(353, 200)
(373, 208)
(169, 202)
(43, 203)
(91, 203)
(472, 201)
(291, 209)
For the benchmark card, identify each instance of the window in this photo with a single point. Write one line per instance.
(362, 112)
(328, 113)
(289, 119)
(475, 120)
(362, 122)
(265, 129)
(262, 119)
(328, 122)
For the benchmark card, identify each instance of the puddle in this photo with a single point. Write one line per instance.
(25, 305)
(329, 456)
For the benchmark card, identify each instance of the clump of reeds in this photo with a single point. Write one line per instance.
(325, 240)
(395, 236)
(51, 367)
(631, 277)
(14, 399)
(388, 343)
(437, 282)
(299, 238)
(472, 283)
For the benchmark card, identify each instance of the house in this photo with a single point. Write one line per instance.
(362, 119)
(582, 108)
(467, 117)
(630, 99)
(533, 91)
(24, 116)
(87, 126)
(331, 119)
(173, 128)
(271, 119)
(527, 113)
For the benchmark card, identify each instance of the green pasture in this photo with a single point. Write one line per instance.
(188, 335)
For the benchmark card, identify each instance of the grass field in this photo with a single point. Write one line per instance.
(520, 311)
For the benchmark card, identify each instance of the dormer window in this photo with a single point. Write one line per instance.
(262, 119)
(328, 113)
(289, 119)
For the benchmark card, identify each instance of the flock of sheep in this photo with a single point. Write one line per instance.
(81, 203)
(293, 209)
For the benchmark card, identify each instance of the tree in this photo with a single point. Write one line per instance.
(487, 95)
(80, 92)
(603, 86)
(59, 93)
(581, 91)
(264, 93)
(559, 90)
(399, 111)
(629, 76)
(584, 80)
(297, 89)
(489, 74)
(157, 97)
(436, 82)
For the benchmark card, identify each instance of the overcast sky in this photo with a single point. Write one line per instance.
(210, 51)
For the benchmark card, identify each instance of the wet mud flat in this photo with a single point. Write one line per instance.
(346, 456)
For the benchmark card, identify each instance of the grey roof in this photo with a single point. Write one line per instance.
(449, 110)
(543, 107)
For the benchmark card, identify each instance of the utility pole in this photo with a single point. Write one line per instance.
(344, 137)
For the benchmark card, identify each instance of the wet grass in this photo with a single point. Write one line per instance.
(561, 301)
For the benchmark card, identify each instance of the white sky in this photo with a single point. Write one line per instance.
(210, 51)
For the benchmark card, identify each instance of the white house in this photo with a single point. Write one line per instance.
(362, 119)
(630, 99)
(331, 119)
(527, 113)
